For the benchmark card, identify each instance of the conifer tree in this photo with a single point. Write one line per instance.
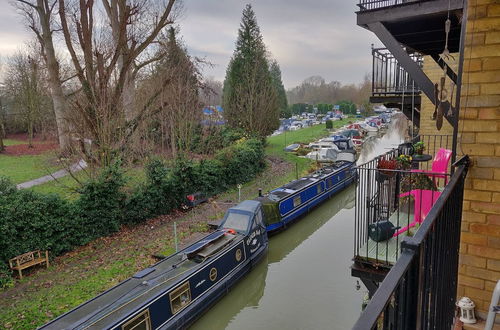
(280, 89)
(249, 97)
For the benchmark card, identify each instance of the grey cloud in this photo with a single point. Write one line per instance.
(307, 38)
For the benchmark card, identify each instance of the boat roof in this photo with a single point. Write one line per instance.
(292, 187)
(249, 206)
(143, 287)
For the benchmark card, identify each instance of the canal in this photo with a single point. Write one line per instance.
(304, 282)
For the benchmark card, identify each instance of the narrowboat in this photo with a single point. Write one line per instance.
(286, 204)
(175, 291)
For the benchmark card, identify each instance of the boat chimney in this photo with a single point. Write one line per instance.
(260, 192)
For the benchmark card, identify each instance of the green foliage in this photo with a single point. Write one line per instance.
(250, 97)
(329, 124)
(279, 88)
(211, 139)
(347, 107)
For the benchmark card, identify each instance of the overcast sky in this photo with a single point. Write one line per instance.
(316, 37)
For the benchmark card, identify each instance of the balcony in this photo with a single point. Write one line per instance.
(410, 296)
(417, 25)
(393, 86)
(403, 197)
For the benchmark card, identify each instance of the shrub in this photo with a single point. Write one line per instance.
(30, 220)
(329, 124)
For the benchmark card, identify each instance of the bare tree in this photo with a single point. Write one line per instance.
(39, 16)
(212, 93)
(103, 62)
(24, 85)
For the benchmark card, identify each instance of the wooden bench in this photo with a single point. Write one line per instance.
(29, 259)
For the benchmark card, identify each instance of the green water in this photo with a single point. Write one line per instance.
(304, 282)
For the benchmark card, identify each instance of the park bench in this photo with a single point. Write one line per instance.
(29, 259)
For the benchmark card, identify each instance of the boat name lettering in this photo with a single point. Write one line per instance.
(255, 248)
(252, 236)
(200, 283)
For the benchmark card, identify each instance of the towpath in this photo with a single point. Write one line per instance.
(56, 175)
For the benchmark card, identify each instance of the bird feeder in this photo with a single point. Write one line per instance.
(466, 310)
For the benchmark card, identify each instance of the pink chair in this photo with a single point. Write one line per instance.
(439, 165)
(424, 200)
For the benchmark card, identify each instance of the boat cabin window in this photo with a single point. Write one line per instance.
(296, 201)
(139, 322)
(319, 188)
(180, 297)
(258, 218)
(237, 221)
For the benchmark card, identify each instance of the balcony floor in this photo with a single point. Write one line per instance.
(387, 252)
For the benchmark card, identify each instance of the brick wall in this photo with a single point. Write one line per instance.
(479, 137)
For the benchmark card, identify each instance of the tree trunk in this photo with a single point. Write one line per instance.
(56, 90)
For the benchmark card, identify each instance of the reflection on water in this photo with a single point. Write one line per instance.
(304, 282)
(375, 145)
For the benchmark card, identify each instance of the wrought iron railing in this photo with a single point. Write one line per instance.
(420, 289)
(390, 195)
(389, 77)
(378, 4)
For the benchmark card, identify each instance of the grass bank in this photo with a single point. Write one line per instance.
(75, 277)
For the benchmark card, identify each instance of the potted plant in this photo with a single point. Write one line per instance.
(404, 162)
(419, 148)
(383, 165)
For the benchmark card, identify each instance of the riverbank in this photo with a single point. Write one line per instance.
(85, 272)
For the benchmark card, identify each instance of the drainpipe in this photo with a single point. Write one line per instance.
(493, 307)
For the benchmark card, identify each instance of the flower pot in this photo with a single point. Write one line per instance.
(381, 177)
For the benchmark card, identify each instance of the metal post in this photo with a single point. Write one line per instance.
(459, 87)
(239, 192)
(175, 237)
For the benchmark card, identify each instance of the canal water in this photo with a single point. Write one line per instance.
(304, 282)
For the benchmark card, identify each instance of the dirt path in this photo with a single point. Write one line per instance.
(36, 299)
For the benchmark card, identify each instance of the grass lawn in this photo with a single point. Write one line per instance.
(11, 142)
(89, 270)
(277, 143)
(66, 186)
(24, 168)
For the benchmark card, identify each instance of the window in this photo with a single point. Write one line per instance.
(319, 188)
(140, 322)
(237, 221)
(180, 297)
(296, 201)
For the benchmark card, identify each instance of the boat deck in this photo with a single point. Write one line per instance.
(387, 251)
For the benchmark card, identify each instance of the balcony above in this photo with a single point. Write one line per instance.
(417, 25)
(392, 84)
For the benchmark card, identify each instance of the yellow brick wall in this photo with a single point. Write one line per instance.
(479, 129)
(479, 137)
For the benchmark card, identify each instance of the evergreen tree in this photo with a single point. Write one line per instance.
(249, 97)
(280, 89)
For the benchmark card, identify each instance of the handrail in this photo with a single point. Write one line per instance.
(365, 5)
(409, 282)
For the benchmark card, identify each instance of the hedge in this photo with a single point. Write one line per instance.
(30, 220)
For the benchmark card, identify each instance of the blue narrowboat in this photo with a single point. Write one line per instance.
(286, 204)
(174, 292)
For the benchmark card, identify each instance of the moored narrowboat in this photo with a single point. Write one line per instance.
(286, 204)
(174, 292)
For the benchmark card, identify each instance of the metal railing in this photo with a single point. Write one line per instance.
(381, 196)
(389, 78)
(419, 291)
(378, 4)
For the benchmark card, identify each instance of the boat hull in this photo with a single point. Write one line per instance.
(348, 176)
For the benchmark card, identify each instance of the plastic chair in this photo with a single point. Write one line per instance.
(424, 200)
(439, 165)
